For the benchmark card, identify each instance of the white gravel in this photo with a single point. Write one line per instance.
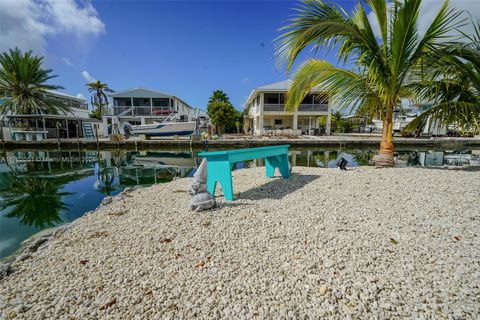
(366, 243)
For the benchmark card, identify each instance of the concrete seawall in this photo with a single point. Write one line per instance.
(330, 142)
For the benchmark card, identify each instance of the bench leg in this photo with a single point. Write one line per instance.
(280, 162)
(220, 172)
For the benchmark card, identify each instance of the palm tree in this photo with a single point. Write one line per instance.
(99, 97)
(24, 82)
(218, 96)
(454, 88)
(376, 69)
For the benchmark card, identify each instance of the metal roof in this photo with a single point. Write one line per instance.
(64, 95)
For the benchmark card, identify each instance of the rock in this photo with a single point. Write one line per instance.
(323, 290)
(107, 200)
(36, 244)
(5, 270)
(23, 257)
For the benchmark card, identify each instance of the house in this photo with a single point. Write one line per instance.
(265, 111)
(44, 126)
(144, 106)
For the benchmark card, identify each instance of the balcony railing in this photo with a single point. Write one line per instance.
(137, 111)
(301, 108)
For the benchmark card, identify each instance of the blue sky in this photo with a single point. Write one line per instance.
(188, 48)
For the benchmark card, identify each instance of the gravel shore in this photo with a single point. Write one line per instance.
(366, 243)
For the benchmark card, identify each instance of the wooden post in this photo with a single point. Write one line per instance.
(96, 136)
(78, 139)
(44, 128)
(58, 134)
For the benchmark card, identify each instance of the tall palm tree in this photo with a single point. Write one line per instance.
(99, 98)
(376, 68)
(23, 81)
(454, 88)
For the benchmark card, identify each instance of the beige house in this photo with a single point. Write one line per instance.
(266, 112)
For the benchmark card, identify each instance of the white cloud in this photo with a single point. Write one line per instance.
(80, 96)
(67, 61)
(88, 76)
(27, 24)
(429, 10)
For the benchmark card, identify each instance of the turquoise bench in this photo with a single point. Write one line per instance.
(221, 163)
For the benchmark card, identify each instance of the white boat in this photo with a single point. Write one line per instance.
(167, 127)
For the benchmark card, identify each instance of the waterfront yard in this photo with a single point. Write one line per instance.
(365, 243)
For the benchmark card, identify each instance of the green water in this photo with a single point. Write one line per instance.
(43, 189)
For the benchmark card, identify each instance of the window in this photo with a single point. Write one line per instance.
(161, 102)
(122, 102)
(142, 102)
(308, 99)
(271, 98)
(278, 122)
(282, 98)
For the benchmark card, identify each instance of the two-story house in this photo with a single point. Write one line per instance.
(144, 106)
(266, 111)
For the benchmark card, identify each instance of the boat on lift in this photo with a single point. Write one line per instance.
(170, 126)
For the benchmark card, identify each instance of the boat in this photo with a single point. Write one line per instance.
(400, 121)
(168, 127)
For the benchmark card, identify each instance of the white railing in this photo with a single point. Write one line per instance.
(301, 108)
(134, 111)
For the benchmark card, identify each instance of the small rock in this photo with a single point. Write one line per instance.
(5, 270)
(106, 200)
(23, 257)
(323, 290)
(36, 244)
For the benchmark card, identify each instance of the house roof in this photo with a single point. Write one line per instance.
(64, 95)
(281, 86)
(123, 92)
(277, 86)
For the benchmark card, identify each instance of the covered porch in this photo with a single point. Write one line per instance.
(39, 127)
(285, 124)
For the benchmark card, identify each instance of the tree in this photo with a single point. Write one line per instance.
(454, 88)
(377, 71)
(221, 112)
(24, 82)
(99, 97)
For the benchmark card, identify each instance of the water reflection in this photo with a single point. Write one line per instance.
(40, 189)
(35, 201)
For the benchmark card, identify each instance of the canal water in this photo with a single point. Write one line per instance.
(44, 189)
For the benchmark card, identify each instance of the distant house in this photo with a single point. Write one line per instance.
(265, 111)
(63, 125)
(144, 106)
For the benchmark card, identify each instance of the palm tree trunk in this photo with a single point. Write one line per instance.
(385, 158)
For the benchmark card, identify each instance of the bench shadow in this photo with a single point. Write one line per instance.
(278, 187)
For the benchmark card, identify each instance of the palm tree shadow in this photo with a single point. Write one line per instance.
(278, 187)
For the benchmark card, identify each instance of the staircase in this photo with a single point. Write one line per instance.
(88, 132)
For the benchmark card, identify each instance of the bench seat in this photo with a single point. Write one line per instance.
(221, 163)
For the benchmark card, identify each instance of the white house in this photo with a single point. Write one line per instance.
(266, 111)
(143, 106)
(64, 125)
